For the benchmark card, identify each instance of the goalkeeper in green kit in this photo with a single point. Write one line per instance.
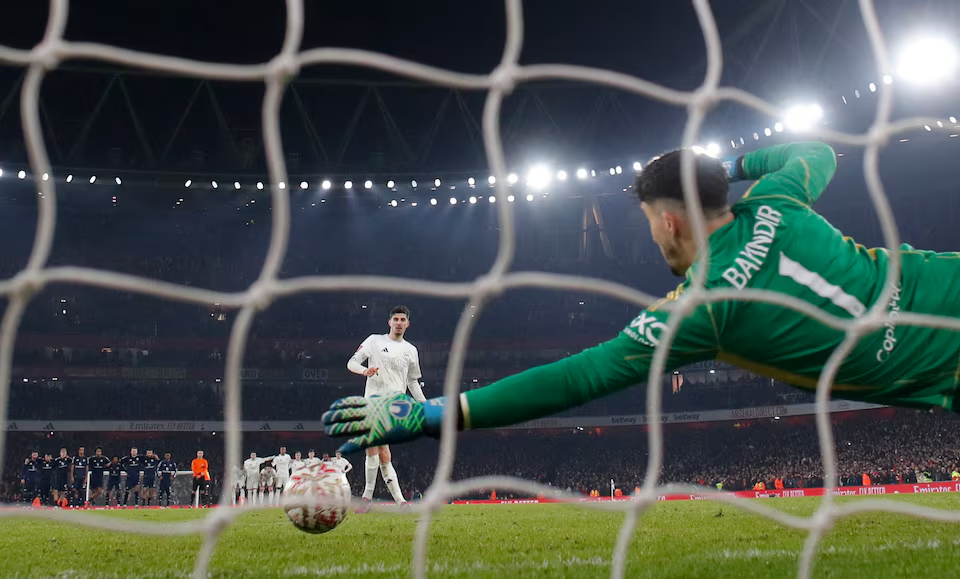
(771, 239)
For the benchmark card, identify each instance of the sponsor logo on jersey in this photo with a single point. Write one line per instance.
(646, 329)
(753, 255)
(890, 327)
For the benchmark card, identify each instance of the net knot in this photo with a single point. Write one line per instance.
(703, 98)
(26, 283)
(260, 295)
(489, 285)
(218, 521)
(46, 54)
(284, 66)
(504, 78)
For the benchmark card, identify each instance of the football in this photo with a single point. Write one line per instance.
(315, 500)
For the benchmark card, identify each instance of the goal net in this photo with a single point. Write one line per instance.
(54, 50)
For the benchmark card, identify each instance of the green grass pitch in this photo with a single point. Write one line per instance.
(675, 539)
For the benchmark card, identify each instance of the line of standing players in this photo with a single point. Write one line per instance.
(62, 481)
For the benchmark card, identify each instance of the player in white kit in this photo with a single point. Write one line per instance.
(344, 466)
(281, 462)
(393, 367)
(268, 484)
(297, 462)
(239, 480)
(311, 458)
(251, 474)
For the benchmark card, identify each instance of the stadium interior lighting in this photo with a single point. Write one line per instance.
(117, 179)
(887, 79)
(471, 181)
(1, 172)
(510, 198)
(767, 131)
(872, 87)
(393, 203)
(637, 166)
(433, 201)
(473, 199)
(529, 197)
(326, 185)
(45, 176)
(187, 183)
(561, 175)
(492, 180)
(951, 119)
(414, 204)
(613, 171)
(593, 173)
(512, 178)
(492, 199)
(348, 184)
(413, 183)
(538, 177)
(453, 201)
(436, 182)
(581, 173)
(283, 185)
(23, 174)
(93, 178)
(236, 185)
(69, 178)
(303, 185)
(778, 127)
(713, 150)
(214, 184)
(391, 184)
(368, 184)
(619, 169)
(928, 60)
(259, 186)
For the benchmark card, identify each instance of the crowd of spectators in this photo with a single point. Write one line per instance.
(204, 400)
(889, 446)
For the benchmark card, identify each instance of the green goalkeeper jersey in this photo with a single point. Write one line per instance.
(776, 242)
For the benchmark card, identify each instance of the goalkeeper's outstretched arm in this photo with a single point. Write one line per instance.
(595, 372)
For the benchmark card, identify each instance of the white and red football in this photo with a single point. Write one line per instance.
(314, 499)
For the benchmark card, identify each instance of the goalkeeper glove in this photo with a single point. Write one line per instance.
(382, 420)
(734, 167)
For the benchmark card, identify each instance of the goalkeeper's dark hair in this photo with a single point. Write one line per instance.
(660, 180)
(400, 310)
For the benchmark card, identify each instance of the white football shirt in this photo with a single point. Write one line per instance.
(268, 477)
(398, 363)
(251, 471)
(343, 465)
(281, 462)
(311, 461)
(295, 465)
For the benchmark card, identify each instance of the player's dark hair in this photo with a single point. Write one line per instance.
(400, 310)
(661, 180)
(100, 448)
(311, 450)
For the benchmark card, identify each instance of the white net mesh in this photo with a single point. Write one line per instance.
(53, 50)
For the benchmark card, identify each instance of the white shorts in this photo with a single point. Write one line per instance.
(282, 482)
